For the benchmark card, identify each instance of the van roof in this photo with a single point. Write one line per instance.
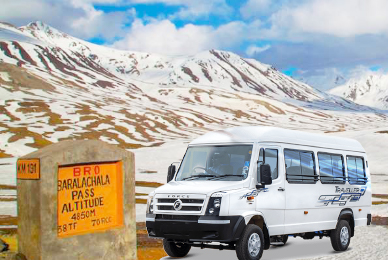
(246, 134)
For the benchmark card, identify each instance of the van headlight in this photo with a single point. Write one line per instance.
(150, 205)
(217, 203)
(214, 205)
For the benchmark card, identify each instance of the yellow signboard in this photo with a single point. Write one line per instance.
(28, 169)
(90, 198)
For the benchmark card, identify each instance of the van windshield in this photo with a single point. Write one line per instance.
(216, 163)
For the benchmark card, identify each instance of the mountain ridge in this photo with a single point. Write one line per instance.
(56, 87)
(180, 70)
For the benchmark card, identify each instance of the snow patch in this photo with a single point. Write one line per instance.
(5, 76)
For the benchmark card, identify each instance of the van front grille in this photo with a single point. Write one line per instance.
(187, 205)
(184, 208)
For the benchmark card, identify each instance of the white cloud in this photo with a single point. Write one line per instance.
(255, 7)
(167, 2)
(323, 79)
(89, 2)
(345, 18)
(164, 37)
(96, 23)
(77, 17)
(254, 49)
(361, 71)
(199, 8)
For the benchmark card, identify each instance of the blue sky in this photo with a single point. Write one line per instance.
(309, 39)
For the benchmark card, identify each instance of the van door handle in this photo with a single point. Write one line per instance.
(281, 189)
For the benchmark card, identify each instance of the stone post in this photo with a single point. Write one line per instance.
(76, 200)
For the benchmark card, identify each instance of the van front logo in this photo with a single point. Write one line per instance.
(178, 196)
(178, 204)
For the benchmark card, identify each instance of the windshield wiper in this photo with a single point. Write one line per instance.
(227, 175)
(198, 176)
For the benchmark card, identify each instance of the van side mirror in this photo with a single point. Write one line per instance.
(171, 172)
(265, 175)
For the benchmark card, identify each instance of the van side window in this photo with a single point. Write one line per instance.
(356, 170)
(300, 166)
(331, 168)
(269, 156)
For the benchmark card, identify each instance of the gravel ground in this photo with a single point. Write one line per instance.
(370, 242)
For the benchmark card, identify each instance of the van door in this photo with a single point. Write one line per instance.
(272, 200)
(302, 192)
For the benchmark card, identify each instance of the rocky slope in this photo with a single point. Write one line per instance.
(54, 87)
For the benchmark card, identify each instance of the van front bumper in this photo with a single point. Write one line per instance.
(195, 228)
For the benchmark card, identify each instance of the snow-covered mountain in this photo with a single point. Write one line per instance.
(61, 52)
(54, 86)
(369, 89)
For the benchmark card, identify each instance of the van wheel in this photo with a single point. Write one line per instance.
(251, 244)
(174, 249)
(340, 236)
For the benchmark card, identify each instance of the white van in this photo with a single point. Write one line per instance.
(249, 187)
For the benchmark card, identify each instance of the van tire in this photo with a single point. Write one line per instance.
(340, 236)
(174, 249)
(246, 245)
